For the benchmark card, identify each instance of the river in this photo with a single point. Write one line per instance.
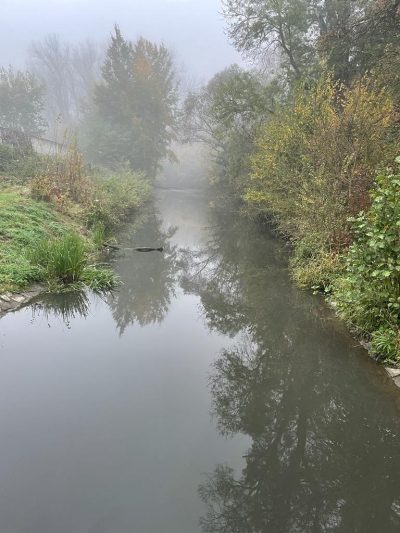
(206, 394)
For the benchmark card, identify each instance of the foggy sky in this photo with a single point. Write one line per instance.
(193, 29)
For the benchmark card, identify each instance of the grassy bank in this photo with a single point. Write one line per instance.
(23, 222)
(53, 224)
(39, 244)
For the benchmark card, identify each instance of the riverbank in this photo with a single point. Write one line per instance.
(12, 301)
(24, 222)
(58, 244)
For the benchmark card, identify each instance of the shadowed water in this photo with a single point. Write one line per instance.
(206, 394)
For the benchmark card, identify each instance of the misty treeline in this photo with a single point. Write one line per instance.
(120, 102)
(300, 136)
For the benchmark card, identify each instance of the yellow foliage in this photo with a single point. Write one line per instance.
(315, 162)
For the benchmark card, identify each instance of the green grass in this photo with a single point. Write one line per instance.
(64, 261)
(23, 224)
(37, 244)
(62, 258)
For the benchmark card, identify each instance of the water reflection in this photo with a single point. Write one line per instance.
(322, 457)
(64, 306)
(148, 279)
(316, 463)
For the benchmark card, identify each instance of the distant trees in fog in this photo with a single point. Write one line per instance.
(68, 73)
(133, 115)
(121, 103)
(21, 102)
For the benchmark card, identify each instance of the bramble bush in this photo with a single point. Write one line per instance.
(367, 295)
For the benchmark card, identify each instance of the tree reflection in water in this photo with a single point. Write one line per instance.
(322, 457)
(148, 279)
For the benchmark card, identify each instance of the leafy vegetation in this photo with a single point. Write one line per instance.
(61, 258)
(367, 295)
(227, 115)
(103, 202)
(44, 237)
(65, 260)
(315, 164)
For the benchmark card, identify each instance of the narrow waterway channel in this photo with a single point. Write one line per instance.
(206, 394)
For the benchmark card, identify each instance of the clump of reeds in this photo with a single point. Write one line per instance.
(63, 258)
(64, 261)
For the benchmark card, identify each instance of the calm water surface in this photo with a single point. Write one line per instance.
(207, 394)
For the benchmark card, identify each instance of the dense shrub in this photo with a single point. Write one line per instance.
(106, 201)
(315, 165)
(317, 272)
(368, 294)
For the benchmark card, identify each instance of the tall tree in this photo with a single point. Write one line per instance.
(366, 40)
(227, 114)
(134, 112)
(21, 102)
(294, 30)
(257, 27)
(50, 60)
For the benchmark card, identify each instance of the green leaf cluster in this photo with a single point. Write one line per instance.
(368, 294)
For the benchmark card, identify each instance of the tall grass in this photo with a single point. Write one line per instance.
(63, 259)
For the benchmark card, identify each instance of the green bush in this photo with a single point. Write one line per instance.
(316, 272)
(385, 342)
(63, 259)
(368, 294)
(115, 198)
(314, 166)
